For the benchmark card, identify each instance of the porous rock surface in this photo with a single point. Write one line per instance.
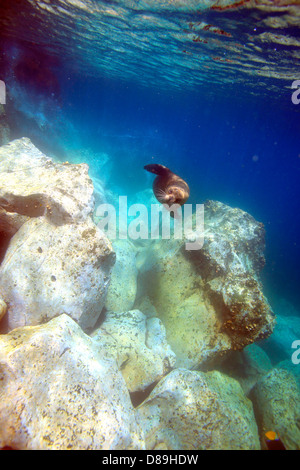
(191, 410)
(58, 392)
(32, 184)
(276, 400)
(138, 345)
(57, 261)
(49, 270)
(210, 300)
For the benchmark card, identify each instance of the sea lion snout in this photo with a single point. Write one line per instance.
(168, 187)
(174, 195)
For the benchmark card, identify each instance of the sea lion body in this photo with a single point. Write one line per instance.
(168, 187)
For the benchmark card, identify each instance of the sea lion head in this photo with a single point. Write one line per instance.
(168, 187)
(174, 195)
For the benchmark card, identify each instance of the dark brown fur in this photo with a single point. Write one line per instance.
(168, 187)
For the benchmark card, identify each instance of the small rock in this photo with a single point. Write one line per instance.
(286, 331)
(247, 366)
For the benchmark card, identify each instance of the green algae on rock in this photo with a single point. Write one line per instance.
(210, 300)
(276, 400)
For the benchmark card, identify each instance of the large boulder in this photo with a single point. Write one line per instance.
(210, 300)
(139, 346)
(49, 270)
(276, 400)
(32, 184)
(230, 264)
(192, 324)
(53, 258)
(57, 391)
(191, 410)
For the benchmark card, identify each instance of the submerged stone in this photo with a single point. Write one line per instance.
(123, 284)
(191, 410)
(32, 184)
(276, 400)
(210, 300)
(58, 392)
(139, 346)
(49, 270)
(54, 259)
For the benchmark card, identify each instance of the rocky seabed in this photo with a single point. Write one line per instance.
(122, 345)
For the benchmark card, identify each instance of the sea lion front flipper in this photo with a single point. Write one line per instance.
(157, 169)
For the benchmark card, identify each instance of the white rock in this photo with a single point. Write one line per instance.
(32, 184)
(192, 323)
(49, 270)
(139, 346)
(123, 284)
(58, 392)
(191, 410)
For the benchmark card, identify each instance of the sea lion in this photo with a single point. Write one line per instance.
(168, 187)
